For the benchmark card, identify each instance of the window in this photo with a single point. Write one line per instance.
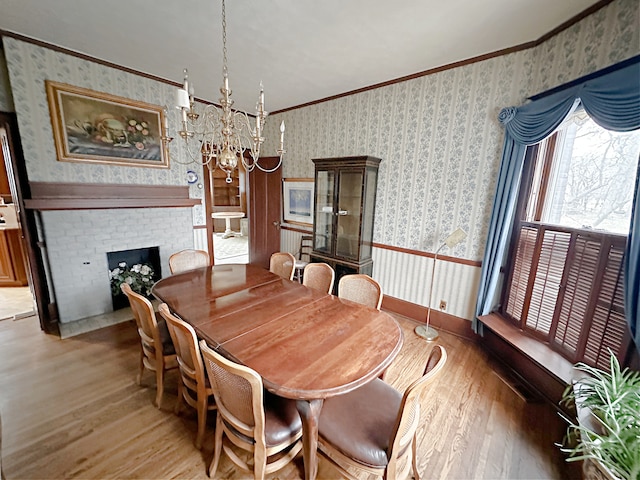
(565, 276)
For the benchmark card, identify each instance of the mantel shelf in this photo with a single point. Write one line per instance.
(85, 196)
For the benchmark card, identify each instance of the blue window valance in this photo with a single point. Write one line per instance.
(612, 100)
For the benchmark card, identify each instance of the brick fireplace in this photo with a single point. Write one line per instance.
(78, 223)
(77, 242)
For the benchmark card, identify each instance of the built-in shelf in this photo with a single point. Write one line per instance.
(84, 196)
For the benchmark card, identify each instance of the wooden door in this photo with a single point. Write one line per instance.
(265, 193)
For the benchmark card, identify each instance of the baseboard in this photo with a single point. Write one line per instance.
(440, 320)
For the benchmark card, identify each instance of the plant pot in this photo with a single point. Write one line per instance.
(594, 470)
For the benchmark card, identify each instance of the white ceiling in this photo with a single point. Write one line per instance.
(302, 50)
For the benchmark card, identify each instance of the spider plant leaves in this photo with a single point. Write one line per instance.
(613, 398)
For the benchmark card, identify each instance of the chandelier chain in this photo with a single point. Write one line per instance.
(225, 71)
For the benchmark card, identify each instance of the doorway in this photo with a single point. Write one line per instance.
(16, 297)
(227, 216)
(243, 217)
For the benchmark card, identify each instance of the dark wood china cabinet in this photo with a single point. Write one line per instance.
(345, 198)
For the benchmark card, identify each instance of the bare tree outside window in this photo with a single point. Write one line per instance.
(593, 177)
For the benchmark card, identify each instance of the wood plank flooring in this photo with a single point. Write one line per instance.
(71, 409)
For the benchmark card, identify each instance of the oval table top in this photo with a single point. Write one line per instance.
(227, 215)
(304, 343)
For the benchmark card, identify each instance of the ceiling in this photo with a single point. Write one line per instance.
(302, 50)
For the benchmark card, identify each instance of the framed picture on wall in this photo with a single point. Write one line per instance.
(298, 200)
(95, 127)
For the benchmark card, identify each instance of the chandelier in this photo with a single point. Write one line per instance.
(220, 136)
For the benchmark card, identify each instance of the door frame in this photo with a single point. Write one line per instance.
(19, 185)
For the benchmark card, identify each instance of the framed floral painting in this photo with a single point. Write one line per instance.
(95, 127)
(298, 200)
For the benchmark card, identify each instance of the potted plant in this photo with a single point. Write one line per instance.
(606, 433)
(140, 278)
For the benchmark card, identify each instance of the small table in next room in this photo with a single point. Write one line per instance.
(227, 216)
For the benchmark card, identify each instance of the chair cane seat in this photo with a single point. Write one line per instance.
(342, 422)
(188, 259)
(360, 288)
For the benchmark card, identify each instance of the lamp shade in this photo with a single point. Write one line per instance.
(182, 98)
(455, 238)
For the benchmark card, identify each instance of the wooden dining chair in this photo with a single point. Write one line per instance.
(373, 428)
(319, 276)
(361, 289)
(188, 259)
(194, 389)
(304, 251)
(157, 351)
(250, 418)
(282, 264)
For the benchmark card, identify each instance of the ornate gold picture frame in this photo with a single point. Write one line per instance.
(95, 127)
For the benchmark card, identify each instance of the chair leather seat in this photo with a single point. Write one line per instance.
(165, 338)
(282, 420)
(369, 415)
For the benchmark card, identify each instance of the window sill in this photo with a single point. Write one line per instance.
(546, 370)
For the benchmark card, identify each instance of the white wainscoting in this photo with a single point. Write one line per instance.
(290, 241)
(200, 240)
(407, 277)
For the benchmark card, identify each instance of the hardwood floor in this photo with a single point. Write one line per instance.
(71, 409)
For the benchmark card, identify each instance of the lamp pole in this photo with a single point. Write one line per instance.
(426, 331)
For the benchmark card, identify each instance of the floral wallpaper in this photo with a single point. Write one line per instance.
(30, 65)
(438, 135)
(6, 100)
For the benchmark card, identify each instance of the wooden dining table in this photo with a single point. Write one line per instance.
(306, 345)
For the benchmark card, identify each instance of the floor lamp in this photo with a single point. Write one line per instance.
(426, 331)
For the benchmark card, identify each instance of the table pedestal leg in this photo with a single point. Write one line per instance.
(227, 230)
(309, 411)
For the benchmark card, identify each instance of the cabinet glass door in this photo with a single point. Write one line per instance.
(324, 208)
(349, 210)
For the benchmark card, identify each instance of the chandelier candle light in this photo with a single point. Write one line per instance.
(220, 135)
(425, 331)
